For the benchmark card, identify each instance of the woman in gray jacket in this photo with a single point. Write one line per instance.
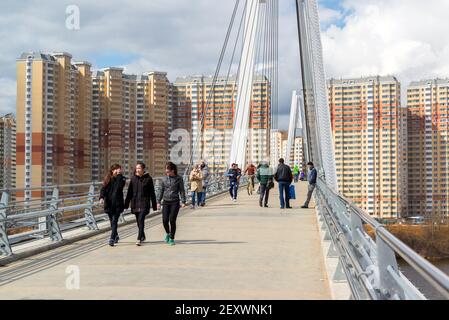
(172, 189)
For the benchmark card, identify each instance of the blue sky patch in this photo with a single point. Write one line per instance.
(111, 59)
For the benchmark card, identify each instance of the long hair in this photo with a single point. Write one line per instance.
(172, 167)
(108, 177)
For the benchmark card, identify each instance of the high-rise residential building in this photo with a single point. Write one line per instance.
(170, 117)
(207, 112)
(53, 121)
(428, 149)
(130, 121)
(297, 156)
(7, 152)
(278, 146)
(156, 147)
(369, 128)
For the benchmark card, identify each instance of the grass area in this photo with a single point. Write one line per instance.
(430, 242)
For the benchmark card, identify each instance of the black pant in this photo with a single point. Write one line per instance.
(140, 219)
(169, 215)
(264, 193)
(113, 219)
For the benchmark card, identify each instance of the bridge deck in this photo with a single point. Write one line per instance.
(225, 250)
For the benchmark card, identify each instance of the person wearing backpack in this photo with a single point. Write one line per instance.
(265, 177)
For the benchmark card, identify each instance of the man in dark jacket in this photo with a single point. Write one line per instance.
(312, 177)
(141, 196)
(284, 177)
(234, 175)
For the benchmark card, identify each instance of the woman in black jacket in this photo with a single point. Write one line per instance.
(172, 189)
(111, 197)
(141, 196)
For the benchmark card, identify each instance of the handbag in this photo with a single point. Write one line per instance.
(292, 192)
(270, 184)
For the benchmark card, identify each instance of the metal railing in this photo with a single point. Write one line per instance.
(65, 207)
(370, 266)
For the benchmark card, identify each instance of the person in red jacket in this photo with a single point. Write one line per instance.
(251, 171)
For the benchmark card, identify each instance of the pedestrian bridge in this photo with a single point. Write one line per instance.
(224, 250)
(57, 248)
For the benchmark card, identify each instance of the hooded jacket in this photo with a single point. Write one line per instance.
(141, 194)
(264, 173)
(112, 194)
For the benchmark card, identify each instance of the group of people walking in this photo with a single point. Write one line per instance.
(284, 176)
(141, 195)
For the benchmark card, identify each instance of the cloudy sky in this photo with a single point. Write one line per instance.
(406, 38)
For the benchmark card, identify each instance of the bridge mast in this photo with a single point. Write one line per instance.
(292, 127)
(316, 109)
(245, 83)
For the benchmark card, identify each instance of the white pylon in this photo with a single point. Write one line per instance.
(245, 84)
(292, 127)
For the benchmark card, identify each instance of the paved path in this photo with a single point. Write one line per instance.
(225, 250)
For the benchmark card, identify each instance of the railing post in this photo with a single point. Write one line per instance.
(386, 259)
(91, 223)
(52, 223)
(356, 223)
(5, 247)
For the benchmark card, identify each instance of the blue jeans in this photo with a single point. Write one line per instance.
(284, 187)
(202, 196)
(234, 186)
(193, 198)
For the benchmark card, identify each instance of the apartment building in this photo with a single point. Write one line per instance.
(369, 129)
(53, 121)
(130, 121)
(207, 112)
(7, 152)
(428, 150)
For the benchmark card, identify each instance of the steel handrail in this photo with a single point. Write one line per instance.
(428, 271)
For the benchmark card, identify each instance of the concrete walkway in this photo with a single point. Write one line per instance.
(225, 250)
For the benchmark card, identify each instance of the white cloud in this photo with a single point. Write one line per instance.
(329, 16)
(180, 37)
(7, 95)
(406, 38)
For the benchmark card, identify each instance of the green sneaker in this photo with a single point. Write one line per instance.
(171, 242)
(167, 238)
